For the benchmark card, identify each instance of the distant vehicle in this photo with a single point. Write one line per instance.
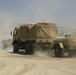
(29, 36)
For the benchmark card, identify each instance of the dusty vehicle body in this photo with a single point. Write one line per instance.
(29, 36)
(64, 44)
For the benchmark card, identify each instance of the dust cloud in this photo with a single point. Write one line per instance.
(7, 24)
(43, 53)
(50, 53)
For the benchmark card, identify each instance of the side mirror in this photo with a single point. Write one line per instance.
(11, 33)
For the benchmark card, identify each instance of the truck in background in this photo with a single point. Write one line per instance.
(29, 36)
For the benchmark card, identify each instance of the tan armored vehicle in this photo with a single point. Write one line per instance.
(29, 36)
(64, 44)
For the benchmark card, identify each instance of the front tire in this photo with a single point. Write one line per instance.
(58, 52)
(16, 49)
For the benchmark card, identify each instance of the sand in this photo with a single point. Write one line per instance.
(21, 64)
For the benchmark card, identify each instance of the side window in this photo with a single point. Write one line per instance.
(15, 32)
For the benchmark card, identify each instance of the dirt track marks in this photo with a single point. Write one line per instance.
(2, 64)
(26, 69)
(16, 64)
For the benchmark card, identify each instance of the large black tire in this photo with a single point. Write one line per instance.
(16, 49)
(58, 52)
(29, 49)
(72, 53)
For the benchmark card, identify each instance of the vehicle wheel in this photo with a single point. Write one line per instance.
(72, 53)
(29, 49)
(16, 49)
(58, 52)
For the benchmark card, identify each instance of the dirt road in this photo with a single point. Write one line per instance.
(20, 64)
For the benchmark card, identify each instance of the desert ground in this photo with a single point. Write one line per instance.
(21, 64)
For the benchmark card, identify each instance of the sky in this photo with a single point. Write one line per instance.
(61, 12)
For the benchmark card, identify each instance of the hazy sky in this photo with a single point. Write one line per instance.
(62, 12)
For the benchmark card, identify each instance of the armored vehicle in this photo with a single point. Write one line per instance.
(63, 45)
(29, 36)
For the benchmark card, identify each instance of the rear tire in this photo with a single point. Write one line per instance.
(16, 49)
(29, 49)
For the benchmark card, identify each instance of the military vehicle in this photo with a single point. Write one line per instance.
(29, 36)
(63, 45)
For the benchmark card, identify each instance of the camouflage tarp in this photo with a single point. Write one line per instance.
(43, 30)
(39, 30)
